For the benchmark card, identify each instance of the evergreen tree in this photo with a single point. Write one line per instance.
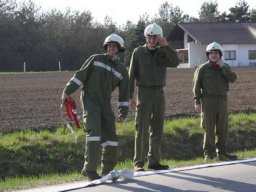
(240, 12)
(253, 15)
(209, 12)
(135, 37)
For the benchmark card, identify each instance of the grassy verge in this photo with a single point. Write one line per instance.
(19, 183)
(30, 159)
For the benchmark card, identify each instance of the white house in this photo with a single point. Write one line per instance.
(237, 39)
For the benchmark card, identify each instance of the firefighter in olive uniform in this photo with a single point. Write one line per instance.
(148, 68)
(98, 77)
(210, 87)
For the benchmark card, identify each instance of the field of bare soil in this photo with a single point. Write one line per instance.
(32, 100)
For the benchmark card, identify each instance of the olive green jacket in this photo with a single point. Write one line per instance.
(98, 77)
(150, 71)
(212, 81)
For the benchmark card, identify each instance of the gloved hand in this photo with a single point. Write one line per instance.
(70, 110)
(64, 96)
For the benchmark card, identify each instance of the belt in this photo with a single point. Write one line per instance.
(215, 96)
(152, 86)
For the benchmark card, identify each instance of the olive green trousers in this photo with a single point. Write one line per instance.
(214, 120)
(101, 139)
(149, 123)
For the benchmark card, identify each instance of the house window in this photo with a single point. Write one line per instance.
(230, 55)
(183, 55)
(251, 54)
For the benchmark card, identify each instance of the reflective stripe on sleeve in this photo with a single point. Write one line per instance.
(125, 103)
(103, 65)
(77, 81)
(119, 76)
(94, 138)
(110, 143)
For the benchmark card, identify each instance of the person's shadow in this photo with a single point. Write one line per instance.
(145, 187)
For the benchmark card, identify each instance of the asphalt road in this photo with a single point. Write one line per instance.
(235, 176)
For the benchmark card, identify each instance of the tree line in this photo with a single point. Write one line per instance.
(43, 39)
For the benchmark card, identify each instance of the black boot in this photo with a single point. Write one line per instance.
(208, 157)
(104, 172)
(91, 175)
(227, 157)
(158, 166)
(138, 168)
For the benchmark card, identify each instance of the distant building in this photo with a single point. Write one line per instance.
(237, 39)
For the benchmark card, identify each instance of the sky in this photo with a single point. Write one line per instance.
(121, 11)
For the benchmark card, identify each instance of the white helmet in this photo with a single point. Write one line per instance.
(114, 38)
(214, 46)
(153, 29)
